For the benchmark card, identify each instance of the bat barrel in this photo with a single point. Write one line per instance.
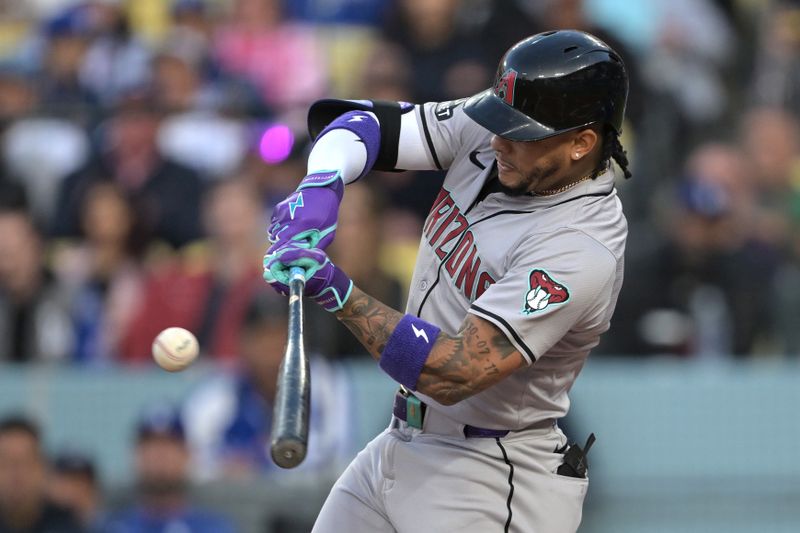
(291, 410)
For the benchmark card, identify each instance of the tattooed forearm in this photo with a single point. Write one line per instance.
(473, 360)
(458, 366)
(371, 321)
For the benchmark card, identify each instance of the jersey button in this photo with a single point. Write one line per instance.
(423, 285)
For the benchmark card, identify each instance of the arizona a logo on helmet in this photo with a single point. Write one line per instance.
(504, 88)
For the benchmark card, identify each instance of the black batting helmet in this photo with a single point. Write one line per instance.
(550, 83)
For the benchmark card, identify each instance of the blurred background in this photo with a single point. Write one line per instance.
(143, 144)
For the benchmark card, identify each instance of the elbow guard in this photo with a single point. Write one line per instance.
(363, 126)
(323, 113)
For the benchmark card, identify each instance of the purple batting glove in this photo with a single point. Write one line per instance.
(326, 284)
(309, 214)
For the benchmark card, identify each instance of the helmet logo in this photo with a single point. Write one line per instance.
(504, 88)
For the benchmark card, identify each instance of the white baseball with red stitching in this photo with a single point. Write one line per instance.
(175, 348)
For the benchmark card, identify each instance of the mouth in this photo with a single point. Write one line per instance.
(503, 165)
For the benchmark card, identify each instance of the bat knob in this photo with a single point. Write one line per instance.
(288, 453)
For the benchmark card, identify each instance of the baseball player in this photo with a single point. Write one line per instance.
(519, 267)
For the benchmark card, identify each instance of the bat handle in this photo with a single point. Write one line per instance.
(297, 273)
(291, 409)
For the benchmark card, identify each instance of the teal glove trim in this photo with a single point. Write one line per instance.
(334, 176)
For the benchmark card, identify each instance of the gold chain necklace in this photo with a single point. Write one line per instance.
(551, 192)
(591, 175)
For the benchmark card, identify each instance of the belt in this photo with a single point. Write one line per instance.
(411, 410)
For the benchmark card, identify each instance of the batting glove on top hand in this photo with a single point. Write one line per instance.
(309, 214)
(326, 284)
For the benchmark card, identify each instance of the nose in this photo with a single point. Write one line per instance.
(498, 144)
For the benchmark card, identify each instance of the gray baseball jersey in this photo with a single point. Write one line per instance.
(546, 270)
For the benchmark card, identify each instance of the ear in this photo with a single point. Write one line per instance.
(583, 143)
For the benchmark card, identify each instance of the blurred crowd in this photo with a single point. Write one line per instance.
(64, 494)
(144, 143)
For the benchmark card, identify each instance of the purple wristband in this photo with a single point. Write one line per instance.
(365, 127)
(407, 350)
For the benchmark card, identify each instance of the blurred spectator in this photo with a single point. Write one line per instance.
(42, 165)
(229, 418)
(705, 291)
(67, 38)
(776, 80)
(282, 59)
(356, 250)
(177, 80)
(185, 78)
(116, 62)
(446, 63)
(34, 309)
(102, 274)
(73, 484)
(692, 47)
(18, 95)
(770, 139)
(24, 507)
(165, 195)
(207, 293)
(191, 64)
(162, 482)
(387, 74)
(197, 134)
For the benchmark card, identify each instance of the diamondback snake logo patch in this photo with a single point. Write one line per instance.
(544, 290)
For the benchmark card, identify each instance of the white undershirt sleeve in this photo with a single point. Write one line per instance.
(340, 150)
(411, 153)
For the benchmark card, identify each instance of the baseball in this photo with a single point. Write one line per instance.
(175, 348)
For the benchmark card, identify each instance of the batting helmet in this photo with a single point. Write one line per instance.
(550, 83)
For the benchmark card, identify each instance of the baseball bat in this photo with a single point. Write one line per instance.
(291, 410)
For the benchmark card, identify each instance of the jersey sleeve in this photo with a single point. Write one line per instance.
(443, 129)
(551, 285)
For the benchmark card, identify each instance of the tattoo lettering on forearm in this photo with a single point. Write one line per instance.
(470, 364)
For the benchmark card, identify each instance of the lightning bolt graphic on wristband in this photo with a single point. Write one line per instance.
(420, 333)
(293, 206)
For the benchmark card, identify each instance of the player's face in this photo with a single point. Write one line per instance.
(526, 166)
